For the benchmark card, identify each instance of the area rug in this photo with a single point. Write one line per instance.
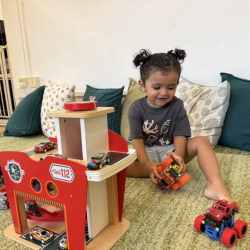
(12, 143)
(164, 220)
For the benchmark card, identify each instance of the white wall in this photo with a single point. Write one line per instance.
(1, 13)
(93, 41)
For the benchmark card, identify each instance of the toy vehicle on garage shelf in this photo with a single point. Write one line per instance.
(41, 234)
(44, 147)
(62, 244)
(31, 208)
(218, 223)
(54, 155)
(171, 177)
(4, 202)
(97, 161)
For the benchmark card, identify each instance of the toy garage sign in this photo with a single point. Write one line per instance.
(14, 171)
(62, 173)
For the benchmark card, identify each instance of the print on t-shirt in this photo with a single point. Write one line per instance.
(151, 139)
(164, 142)
(165, 127)
(149, 129)
(147, 126)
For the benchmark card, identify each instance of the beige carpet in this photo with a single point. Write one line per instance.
(164, 220)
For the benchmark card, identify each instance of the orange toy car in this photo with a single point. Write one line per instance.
(171, 177)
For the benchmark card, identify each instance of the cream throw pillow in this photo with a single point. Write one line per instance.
(206, 107)
(54, 97)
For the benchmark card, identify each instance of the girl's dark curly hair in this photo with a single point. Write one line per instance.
(165, 62)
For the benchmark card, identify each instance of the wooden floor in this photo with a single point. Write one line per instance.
(2, 128)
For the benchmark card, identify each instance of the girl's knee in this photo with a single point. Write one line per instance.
(201, 140)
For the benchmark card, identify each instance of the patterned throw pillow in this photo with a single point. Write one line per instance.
(54, 97)
(206, 107)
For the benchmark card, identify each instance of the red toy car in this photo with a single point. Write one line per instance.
(44, 147)
(171, 177)
(218, 223)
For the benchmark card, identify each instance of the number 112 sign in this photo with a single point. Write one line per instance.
(61, 172)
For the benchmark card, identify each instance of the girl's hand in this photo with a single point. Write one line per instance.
(151, 167)
(179, 160)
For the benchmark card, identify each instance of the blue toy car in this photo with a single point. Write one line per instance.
(97, 161)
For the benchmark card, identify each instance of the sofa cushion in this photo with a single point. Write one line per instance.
(236, 129)
(54, 98)
(108, 98)
(25, 119)
(134, 93)
(206, 107)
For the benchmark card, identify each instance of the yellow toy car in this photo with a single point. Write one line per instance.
(41, 234)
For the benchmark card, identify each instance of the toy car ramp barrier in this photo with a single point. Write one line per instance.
(45, 215)
(80, 106)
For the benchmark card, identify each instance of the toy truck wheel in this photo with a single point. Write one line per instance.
(176, 185)
(184, 179)
(229, 238)
(240, 227)
(54, 146)
(42, 241)
(45, 150)
(198, 224)
(100, 166)
(31, 237)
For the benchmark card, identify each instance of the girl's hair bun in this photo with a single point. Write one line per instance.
(140, 58)
(179, 53)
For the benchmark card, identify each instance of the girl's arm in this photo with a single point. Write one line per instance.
(142, 156)
(180, 143)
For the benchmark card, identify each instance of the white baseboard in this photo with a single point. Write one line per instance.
(3, 122)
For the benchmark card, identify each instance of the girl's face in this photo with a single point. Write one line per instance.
(160, 88)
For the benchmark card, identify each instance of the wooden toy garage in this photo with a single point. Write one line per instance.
(78, 193)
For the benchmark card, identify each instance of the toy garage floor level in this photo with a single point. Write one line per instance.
(80, 134)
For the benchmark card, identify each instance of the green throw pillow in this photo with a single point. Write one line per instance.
(25, 119)
(236, 129)
(108, 98)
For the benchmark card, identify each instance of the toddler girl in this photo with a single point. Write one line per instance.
(159, 126)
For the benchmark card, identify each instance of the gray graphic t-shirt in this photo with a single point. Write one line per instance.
(157, 126)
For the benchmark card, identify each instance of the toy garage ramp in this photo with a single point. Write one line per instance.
(47, 215)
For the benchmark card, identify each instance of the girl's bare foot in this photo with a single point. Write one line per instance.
(219, 193)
